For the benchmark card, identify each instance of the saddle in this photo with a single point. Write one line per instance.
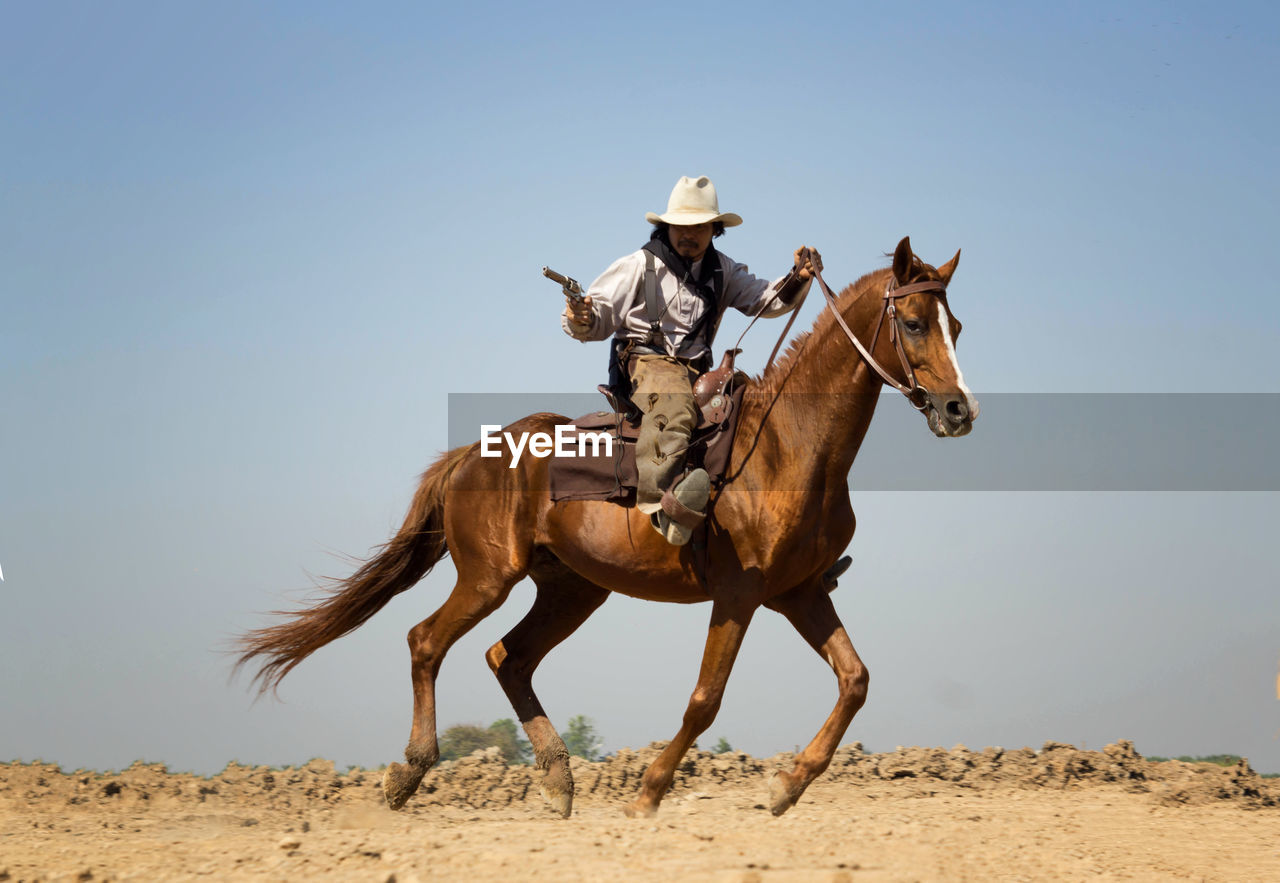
(593, 474)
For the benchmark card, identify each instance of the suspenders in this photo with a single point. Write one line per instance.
(653, 306)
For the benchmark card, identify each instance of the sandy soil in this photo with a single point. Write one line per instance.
(913, 814)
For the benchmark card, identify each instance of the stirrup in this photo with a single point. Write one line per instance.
(834, 572)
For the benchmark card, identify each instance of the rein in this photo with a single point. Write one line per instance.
(915, 393)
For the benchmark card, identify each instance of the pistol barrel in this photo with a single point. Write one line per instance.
(568, 284)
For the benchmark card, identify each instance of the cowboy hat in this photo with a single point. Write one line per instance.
(693, 201)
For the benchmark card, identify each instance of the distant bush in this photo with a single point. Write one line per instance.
(722, 746)
(461, 740)
(507, 737)
(1219, 759)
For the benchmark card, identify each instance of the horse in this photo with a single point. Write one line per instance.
(780, 521)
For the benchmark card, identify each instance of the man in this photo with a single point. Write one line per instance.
(662, 304)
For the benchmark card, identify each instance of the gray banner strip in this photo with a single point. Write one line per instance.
(1021, 441)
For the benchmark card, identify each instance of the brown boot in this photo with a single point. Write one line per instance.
(683, 508)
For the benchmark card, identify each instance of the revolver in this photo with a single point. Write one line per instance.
(571, 287)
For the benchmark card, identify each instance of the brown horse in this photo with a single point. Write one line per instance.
(783, 518)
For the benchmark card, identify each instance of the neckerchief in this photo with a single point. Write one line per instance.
(708, 286)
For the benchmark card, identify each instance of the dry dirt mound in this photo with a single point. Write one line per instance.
(484, 780)
(1058, 765)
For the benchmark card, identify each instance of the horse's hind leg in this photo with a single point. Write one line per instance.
(563, 603)
(810, 610)
(473, 598)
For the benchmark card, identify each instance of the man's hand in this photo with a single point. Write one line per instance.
(807, 262)
(578, 312)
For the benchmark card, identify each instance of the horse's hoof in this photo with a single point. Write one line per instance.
(559, 801)
(557, 787)
(781, 797)
(398, 784)
(639, 810)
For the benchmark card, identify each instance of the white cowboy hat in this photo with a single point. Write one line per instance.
(693, 201)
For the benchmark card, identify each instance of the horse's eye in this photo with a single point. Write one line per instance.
(915, 326)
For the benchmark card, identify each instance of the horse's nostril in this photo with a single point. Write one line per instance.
(957, 411)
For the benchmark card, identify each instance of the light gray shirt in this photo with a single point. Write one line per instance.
(617, 302)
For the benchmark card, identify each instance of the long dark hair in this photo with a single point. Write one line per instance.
(660, 230)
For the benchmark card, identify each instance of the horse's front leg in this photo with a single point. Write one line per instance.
(810, 610)
(729, 621)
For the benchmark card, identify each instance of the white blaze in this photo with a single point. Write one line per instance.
(944, 322)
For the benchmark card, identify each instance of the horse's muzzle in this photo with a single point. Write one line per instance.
(951, 415)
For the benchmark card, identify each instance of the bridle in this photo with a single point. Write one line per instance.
(916, 394)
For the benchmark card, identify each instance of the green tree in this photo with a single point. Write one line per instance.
(722, 746)
(506, 735)
(459, 741)
(581, 738)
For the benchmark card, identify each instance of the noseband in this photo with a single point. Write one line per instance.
(916, 394)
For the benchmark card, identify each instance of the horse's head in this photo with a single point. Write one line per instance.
(921, 322)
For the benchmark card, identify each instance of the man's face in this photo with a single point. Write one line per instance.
(690, 242)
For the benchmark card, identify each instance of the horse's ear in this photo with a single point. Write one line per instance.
(902, 261)
(947, 270)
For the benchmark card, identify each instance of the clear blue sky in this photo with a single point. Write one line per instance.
(248, 250)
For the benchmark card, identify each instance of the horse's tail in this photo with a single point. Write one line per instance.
(399, 565)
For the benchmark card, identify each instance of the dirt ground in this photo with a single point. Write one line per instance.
(913, 814)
